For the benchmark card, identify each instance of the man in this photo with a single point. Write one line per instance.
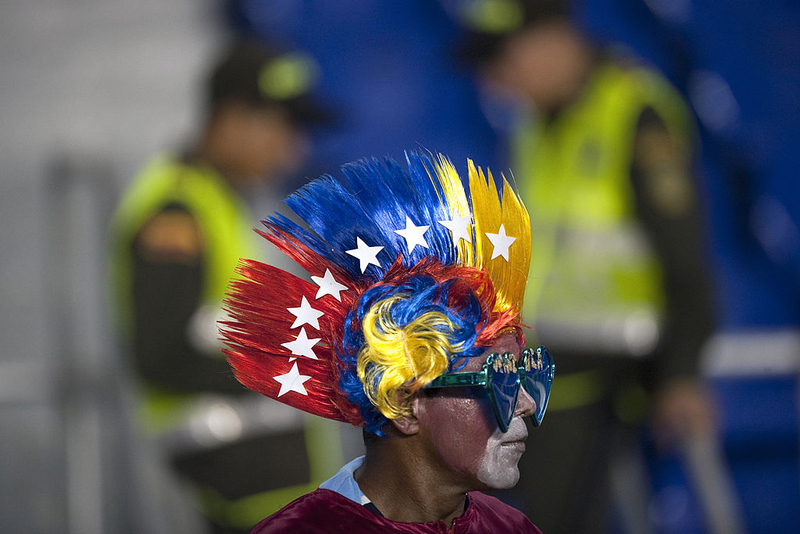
(618, 280)
(176, 237)
(408, 329)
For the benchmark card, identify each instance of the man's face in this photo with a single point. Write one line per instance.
(265, 142)
(463, 433)
(545, 64)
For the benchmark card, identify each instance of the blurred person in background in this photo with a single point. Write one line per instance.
(176, 236)
(618, 284)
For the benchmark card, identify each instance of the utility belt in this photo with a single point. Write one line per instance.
(185, 423)
(634, 335)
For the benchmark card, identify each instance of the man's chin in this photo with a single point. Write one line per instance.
(506, 479)
(508, 484)
(505, 485)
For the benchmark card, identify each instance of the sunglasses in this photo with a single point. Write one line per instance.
(502, 375)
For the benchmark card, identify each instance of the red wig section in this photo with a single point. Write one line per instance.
(260, 324)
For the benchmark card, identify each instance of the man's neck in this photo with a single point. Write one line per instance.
(406, 491)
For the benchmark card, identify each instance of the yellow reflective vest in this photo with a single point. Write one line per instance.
(224, 220)
(226, 227)
(227, 231)
(595, 283)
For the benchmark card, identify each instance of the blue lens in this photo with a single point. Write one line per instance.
(539, 370)
(503, 382)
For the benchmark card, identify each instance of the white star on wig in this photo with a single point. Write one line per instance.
(414, 235)
(292, 381)
(305, 314)
(458, 228)
(302, 345)
(501, 242)
(328, 285)
(365, 254)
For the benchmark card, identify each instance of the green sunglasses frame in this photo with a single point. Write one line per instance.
(481, 378)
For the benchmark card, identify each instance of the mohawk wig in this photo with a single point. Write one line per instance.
(412, 273)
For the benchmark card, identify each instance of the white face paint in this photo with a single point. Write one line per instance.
(464, 432)
(498, 468)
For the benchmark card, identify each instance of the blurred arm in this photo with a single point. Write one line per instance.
(167, 289)
(668, 204)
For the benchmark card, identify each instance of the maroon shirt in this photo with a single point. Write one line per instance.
(327, 512)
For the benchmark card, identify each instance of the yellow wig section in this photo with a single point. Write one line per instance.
(457, 202)
(490, 211)
(393, 357)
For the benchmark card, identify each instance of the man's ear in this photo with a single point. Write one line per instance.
(409, 424)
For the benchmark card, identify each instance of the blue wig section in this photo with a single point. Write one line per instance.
(372, 202)
(392, 194)
(422, 294)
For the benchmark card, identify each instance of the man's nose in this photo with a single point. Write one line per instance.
(525, 404)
